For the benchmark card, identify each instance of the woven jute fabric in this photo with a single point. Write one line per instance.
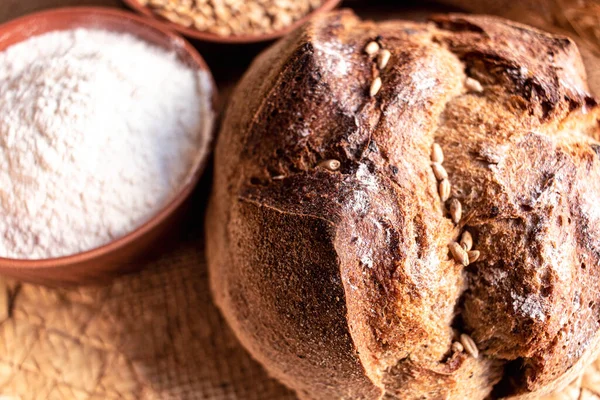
(151, 335)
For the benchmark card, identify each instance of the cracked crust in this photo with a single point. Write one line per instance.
(340, 282)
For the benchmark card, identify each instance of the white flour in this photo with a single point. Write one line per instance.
(98, 131)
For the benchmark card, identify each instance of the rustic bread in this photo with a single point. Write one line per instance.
(340, 280)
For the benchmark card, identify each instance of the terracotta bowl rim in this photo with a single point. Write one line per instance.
(194, 175)
(204, 36)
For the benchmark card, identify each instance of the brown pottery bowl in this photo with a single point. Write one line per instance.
(327, 5)
(116, 257)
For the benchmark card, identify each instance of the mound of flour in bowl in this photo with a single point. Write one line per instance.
(98, 132)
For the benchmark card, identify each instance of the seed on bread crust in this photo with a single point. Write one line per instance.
(455, 210)
(372, 48)
(375, 86)
(457, 347)
(473, 85)
(459, 254)
(439, 171)
(473, 255)
(444, 189)
(466, 241)
(469, 345)
(437, 154)
(332, 165)
(383, 58)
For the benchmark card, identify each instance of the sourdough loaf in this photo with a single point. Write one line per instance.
(340, 280)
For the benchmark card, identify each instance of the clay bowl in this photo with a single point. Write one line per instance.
(103, 263)
(327, 5)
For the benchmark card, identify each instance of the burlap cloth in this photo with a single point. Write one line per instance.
(152, 335)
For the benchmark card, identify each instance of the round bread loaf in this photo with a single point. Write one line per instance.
(346, 177)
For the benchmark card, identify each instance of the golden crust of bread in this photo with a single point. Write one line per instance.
(340, 280)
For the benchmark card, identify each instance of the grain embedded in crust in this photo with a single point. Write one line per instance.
(341, 282)
(526, 183)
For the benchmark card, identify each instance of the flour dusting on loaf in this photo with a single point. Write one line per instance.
(350, 282)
